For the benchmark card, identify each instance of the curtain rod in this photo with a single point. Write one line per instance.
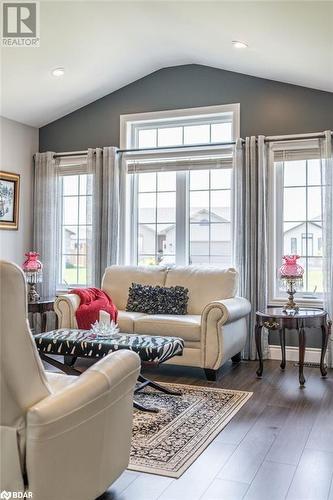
(269, 138)
(183, 146)
(295, 137)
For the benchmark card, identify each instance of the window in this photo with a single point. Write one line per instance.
(298, 216)
(75, 214)
(181, 202)
(293, 246)
(156, 217)
(210, 217)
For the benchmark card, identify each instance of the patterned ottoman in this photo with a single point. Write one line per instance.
(76, 343)
(84, 344)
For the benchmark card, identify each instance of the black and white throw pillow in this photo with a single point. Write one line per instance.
(157, 299)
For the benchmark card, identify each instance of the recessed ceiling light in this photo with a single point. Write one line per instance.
(58, 72)
(239, 45)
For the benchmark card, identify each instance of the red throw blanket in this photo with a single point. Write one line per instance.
(92, 301)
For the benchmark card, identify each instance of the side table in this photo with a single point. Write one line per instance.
(42, 306)
(276, 319)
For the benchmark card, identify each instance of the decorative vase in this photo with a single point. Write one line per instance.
(291, 274)
(33, 269)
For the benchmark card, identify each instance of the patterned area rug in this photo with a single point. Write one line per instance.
(169, 441)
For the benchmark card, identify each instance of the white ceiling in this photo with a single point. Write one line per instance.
(106, 45)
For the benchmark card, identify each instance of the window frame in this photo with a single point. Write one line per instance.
(130, 124)
(67, 167)
(275, 216)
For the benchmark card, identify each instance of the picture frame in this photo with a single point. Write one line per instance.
(9, 200)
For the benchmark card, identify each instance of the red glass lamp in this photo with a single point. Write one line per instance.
(33, 270)
(291, 275)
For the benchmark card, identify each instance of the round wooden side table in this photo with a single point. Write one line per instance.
(276, 319)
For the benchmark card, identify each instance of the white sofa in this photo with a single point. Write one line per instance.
(215, 328)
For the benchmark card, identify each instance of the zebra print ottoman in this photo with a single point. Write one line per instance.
(83, 343)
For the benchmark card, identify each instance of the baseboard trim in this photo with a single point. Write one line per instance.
(312, 354)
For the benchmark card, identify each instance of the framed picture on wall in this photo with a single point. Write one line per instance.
(9, 200)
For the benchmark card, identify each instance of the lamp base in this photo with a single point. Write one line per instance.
(32, 293)
(291, 306)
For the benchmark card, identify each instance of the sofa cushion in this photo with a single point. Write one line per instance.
(205, 284)
(126, 320)
(117, 280)
(157, 299)
(187, 327)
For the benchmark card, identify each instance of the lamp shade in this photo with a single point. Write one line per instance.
(32, 263)
(290, 268)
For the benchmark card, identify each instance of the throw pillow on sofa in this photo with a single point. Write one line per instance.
(157, 299)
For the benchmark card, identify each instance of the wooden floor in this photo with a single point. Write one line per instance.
(279, 445)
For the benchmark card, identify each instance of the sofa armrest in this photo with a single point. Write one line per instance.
(65, 307)
(230, 309)
(223, 330)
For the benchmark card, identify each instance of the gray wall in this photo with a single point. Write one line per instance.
(267, 107)
(18, 144)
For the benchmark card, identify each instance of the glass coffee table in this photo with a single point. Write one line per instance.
(75, 343)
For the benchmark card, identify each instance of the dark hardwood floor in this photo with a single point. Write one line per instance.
(279, 445)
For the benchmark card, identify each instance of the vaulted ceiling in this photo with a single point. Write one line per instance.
(106, 45)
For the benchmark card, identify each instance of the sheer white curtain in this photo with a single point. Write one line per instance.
(46, 219)
(108, 177)
(327, 203)
(250, 229)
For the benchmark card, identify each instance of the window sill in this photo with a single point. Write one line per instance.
(279, 302)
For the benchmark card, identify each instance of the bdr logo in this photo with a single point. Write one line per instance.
(6, 495)
(20, 25)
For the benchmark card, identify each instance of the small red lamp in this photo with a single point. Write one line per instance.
(33, 270)
(291, 275)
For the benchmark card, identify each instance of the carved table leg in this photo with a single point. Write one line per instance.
(301, 353)
(258, 330)
(325, 334)
(283, 347)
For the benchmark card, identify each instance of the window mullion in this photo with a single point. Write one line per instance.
(181, 218)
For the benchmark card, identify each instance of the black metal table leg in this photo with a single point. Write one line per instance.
(144, 382)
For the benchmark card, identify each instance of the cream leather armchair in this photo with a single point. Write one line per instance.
(62, 437)
(215, 328)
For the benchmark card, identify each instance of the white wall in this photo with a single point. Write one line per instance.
(18, 144)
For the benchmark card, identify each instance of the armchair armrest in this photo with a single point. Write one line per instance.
(230, 309)
(96, 389)
(85, 427)
(65, 307)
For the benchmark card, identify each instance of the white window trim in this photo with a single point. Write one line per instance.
(72, 165)
(128, 122)
(274, 248)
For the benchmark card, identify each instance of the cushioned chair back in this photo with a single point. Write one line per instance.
(117, 280)
(22, 377)
(205, 284)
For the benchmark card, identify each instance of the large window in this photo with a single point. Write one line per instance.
(298, 219)
(181, 207)
(75, 190)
